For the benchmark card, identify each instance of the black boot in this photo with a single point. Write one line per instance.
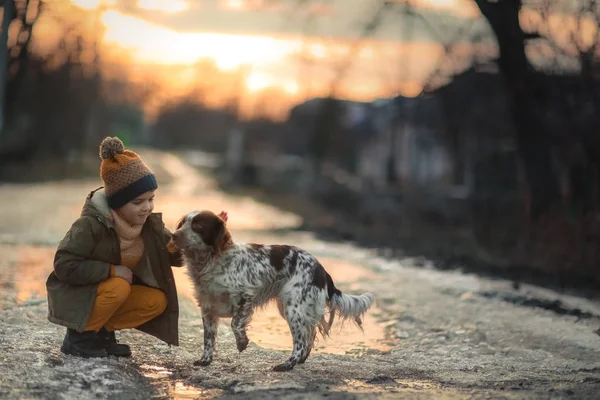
(108, 341)
(82, 344)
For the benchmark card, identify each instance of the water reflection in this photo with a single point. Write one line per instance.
(23, 273)
(174, 389)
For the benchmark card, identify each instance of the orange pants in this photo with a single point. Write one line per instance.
(119, 305)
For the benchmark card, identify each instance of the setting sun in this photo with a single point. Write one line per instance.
(257, 82)
(156, 44)
(465, 8)
(93, 4)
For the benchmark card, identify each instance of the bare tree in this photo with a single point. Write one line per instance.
(27, 13)
(526, 94)
(7, 17)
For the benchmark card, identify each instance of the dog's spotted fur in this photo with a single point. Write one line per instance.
(232, 279)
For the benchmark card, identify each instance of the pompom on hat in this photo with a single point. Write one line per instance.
(124, 174)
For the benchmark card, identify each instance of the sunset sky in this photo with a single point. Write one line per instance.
(269, 42)
(275, 53)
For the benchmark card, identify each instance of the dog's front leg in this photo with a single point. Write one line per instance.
(242, 314)
(210, 323)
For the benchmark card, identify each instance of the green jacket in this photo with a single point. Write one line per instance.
(83, 260)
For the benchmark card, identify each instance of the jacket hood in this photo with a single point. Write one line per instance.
(96, 206)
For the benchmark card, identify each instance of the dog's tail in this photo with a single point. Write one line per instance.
(347, 306)
(350, 306)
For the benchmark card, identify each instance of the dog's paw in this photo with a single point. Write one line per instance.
(203, 362)
(242, 344)
(283, 367)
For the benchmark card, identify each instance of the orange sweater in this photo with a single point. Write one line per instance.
(131, 242)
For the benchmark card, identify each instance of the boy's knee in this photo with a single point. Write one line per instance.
(115, 290)
(157, 302)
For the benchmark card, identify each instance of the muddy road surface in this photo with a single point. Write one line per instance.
(432, 334)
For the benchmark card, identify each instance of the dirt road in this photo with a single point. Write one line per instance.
(433, 334)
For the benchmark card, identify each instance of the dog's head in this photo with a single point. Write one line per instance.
(203, 231)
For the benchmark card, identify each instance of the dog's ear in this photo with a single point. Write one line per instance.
(219, 244)
(180, 223)
(212, 230)
(223, 238)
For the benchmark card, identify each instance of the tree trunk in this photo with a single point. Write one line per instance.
(28, 14)
(8, 15)
(325, 122)
(533, 139)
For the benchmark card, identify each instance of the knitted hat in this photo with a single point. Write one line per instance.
(124, 174)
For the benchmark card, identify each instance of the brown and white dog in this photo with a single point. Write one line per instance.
(232, 279)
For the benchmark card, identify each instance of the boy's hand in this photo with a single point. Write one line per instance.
(123, 272)
(223, 215)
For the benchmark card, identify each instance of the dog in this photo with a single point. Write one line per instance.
(232, 279)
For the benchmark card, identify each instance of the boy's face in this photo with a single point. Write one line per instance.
(137, 210)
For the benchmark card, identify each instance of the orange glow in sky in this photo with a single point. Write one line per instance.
(156, 44)
(465, 8)
(234, 4)
(167, 6)
(282, 69)
(93, 4)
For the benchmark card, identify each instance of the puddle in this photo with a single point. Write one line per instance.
(23, 273)
(179, 391)
(270, 331)
(174, 389)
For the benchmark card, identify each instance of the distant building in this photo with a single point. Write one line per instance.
(447, 144)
